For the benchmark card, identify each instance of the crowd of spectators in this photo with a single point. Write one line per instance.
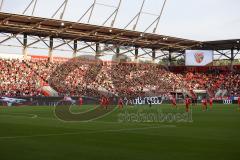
(212, 82)
(92, 78)
(16, 79)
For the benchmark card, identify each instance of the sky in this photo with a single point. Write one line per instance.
(201, 20)
(192, 19)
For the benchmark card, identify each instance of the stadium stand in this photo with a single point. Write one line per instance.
(34, 78)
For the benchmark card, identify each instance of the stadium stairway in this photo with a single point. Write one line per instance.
(192, 94)
(49, 91)
(44, 87)
(186, 92)
(221, 93)
(210, 93)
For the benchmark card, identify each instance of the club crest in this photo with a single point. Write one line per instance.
(199, 57)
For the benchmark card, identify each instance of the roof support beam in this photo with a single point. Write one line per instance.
(163, 55)
(79, 20)
(6, 39)
(1, 5)
(153, 55)
(10, 37)
(116, 38)
(223, 54)
(34, 7)
(25, 39)
(181, 54)
(75, 46)
(34, 3)
(159, 17)
(83, 48)
(63, 5)
(138, 15)
(148, 53)
(91, 12)
(129, 51)
(64, 43)
(236, 54)
(50, 51)
(115, 13)
(136, 53)
(40, 39)
(29, 5)
(19, 40)
(88, 46)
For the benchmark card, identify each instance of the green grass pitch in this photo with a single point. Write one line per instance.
(34, 133)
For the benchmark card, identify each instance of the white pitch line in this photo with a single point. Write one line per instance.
(20, 115)
(91, 132)
(102, 115)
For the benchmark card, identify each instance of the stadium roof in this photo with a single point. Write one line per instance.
(222, 44)
(43, 27)
(36, 26)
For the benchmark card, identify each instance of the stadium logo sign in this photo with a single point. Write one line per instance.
(199, 56)
(227, 101)
(144, 100)
(12, 101)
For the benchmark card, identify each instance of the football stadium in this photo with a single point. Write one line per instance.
(119, 79)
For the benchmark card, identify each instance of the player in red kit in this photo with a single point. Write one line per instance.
(187, 103)
(102, 101)
(105, 102)
(211, 103)
(204, 104)
(239, 102)
(174, 103)
(120, 103)
(80, 101)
